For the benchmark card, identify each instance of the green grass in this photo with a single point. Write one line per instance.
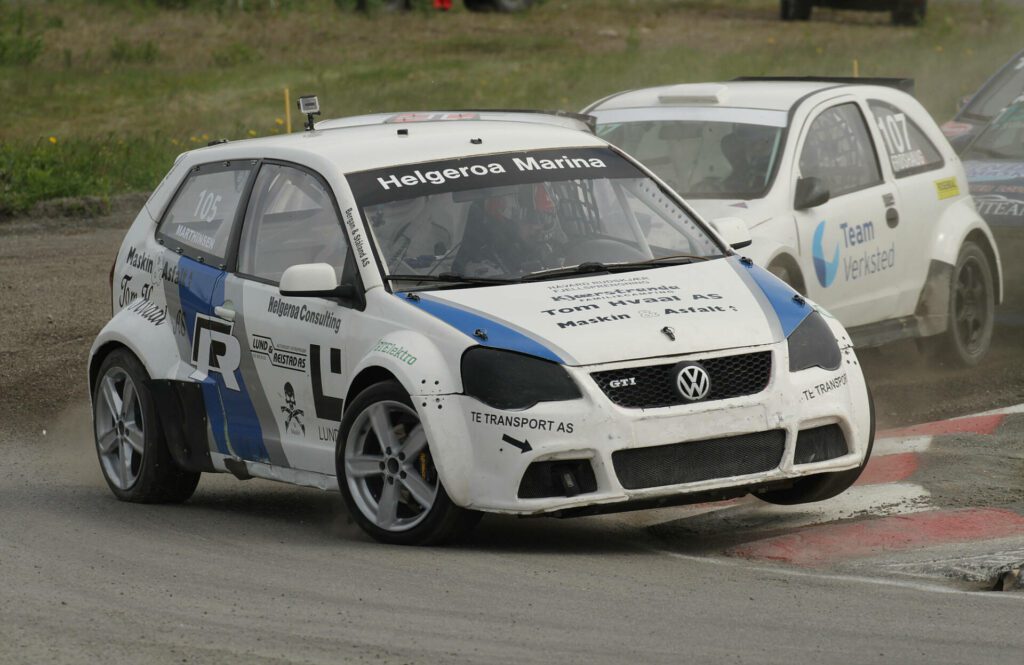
(125, 85)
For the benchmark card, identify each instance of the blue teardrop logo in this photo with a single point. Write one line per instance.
(825, 270)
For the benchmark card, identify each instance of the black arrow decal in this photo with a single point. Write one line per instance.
(523, 446)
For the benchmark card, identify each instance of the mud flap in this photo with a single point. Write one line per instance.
(182, 414)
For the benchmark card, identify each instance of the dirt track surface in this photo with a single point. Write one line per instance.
(258, 572)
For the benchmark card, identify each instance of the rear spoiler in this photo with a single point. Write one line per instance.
(903, 84)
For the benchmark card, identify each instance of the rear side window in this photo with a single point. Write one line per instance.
(909, 150)
(839, 150)
(290, 221)
(199, 221)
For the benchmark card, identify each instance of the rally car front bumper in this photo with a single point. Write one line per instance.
(593, 455)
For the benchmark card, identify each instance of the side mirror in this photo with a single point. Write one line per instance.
(314, 280)
(962, 102)
(811, 192)
(733, 230)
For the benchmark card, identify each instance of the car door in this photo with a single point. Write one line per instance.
(197, 231)
(923, 188)
(848, 252)
(293, 348)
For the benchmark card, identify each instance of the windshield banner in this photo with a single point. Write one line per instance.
(513, 168)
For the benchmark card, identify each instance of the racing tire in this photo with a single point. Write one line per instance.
(505, 6)
(971, 314)
(387, 476)
(796, 10)
(130, 443)
(822, 486)
(909, 12)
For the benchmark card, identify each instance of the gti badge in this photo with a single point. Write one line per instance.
(693, 382)
(622, 383)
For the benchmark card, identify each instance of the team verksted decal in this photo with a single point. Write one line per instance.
(284, 357)
(214, 349)
(521, 422)
(856, 265)
(996, 205)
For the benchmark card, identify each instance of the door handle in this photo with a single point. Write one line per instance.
(225, 313)
(892, 217)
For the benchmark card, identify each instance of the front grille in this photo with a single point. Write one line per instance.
(693, 461)
(655, 385)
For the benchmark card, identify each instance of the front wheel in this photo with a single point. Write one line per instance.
(971, 317)
(130, 444)
(387, 476)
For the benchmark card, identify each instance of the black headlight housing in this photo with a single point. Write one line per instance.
(812, 344)
(509, 380)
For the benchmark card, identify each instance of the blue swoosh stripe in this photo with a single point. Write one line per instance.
(499, 335)
(780, 296)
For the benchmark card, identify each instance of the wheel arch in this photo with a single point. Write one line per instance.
(978, 237)
(788, 261)
(367, 377)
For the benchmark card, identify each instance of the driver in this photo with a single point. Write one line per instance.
(517, 234)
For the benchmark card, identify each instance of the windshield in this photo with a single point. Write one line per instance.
(1001, 91)
(509, 216)
(1003, 138)
(702, 158)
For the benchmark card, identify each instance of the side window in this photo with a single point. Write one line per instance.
(838, 150)
(290, 221)
(198, 222)
(910, 151)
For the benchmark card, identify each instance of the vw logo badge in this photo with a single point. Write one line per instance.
(693, 382)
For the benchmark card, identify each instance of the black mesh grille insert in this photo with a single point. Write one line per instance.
(655, 385)
(819, 444)
(692, 461)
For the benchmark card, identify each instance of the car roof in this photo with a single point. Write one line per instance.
(778, 94)
(349, 149)
(566, 119)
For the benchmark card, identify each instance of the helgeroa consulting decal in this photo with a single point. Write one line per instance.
(513, 168)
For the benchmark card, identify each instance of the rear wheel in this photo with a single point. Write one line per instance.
(824, 486)
(387, 476)
(130, 444)
(796, 10)
(971, 314)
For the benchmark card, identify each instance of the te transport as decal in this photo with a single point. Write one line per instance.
(521, 422)
(825, 388)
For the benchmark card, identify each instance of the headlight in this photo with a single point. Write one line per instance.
(507, 380)
(812, 344)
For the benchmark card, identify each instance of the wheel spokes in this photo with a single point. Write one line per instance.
(128, 399)
(107, 441)
(419, 489)
(134, 438)
(414, 443)
(387, 507)
(111, 397)
(363, 466)
(380, 421)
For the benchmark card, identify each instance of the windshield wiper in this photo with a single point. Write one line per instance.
(453, 278)
(591, 267)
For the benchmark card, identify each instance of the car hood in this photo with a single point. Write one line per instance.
(754, 212)
(998, 190)
(672, 310)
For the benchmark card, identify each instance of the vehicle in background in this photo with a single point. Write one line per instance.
(904, 12)
(994, 162)
(441, 315)
(1005, 86)
(851, 193)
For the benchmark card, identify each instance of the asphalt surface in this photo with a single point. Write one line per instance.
(261, 572)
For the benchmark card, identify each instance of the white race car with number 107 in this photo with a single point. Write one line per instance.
(850, 191)
(469, 313)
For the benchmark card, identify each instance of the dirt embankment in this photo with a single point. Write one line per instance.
(55, 297)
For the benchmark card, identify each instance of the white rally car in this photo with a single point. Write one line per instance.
(851, 193)
(455, 315)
